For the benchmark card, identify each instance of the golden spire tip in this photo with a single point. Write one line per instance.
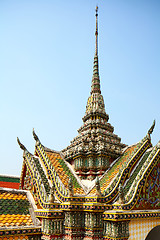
(96, 10)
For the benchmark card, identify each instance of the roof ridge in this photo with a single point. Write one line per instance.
(13, 190)
(9, 176)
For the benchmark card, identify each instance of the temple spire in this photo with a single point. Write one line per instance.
(95, 88)
(96, 146)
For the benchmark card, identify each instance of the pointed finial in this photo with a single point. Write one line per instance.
(35, 136)
(21, 145)
(151, 128)
(96, 32)
(95, 88)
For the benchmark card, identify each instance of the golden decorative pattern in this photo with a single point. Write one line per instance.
(11, 220)
(14, 196)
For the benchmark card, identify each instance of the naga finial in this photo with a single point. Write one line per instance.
(21, 145)
(151, 128)
(35, 136)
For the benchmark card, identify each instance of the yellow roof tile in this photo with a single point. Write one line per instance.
(15, 220)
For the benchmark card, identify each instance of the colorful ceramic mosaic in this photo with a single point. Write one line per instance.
(116, 168)
(139, 180)
(14, 209)
(122, 168)
(150, 194)
(58, 170)
(13, 204)
(64, 172)
(15, 218)
(136, 171)
(14, 196)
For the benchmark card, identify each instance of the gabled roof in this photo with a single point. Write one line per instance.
(48, 169)
(34, 177)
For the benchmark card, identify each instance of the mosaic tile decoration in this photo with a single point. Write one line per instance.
(136, 171)
(10, 220)
(111, 174)
(150, 194)
(14, 209)
(139, 229)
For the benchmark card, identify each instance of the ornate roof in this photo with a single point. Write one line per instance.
(47, 171)
(47, 168)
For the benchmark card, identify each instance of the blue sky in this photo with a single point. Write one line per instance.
(46, 60)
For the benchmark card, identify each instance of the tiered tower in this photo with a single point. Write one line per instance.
(96, 146)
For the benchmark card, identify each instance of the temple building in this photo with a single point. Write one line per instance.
(95, 188)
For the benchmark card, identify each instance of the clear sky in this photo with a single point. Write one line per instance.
(46, 60)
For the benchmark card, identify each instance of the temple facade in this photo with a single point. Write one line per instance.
(96, 188)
